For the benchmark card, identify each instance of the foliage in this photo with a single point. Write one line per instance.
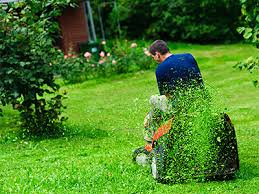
(200, 21)
(250, 17)
(71, 69)
(131, 57)
(26, 71)
(250, 31)
(117, 57)
(251, 64)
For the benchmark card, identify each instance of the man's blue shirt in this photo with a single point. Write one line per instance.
(177, 70)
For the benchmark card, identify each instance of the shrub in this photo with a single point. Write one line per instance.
(117, 57)
(131, 57)
(26, 70)
(71, 69)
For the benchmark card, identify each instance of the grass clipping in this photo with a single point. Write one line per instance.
(197, 145)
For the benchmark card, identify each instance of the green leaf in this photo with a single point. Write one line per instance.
(240, 30)
(9, 71)
(248, 33)
(9, 81)
(22, 64)
(41, 80)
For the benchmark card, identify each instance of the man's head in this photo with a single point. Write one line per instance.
(159, 50)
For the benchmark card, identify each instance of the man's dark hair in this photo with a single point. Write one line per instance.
(159, 46)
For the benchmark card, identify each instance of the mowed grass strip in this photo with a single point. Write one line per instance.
(106, 120)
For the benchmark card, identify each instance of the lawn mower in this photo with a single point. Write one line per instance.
(157, 153)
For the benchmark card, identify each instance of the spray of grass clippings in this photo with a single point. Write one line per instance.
(192, 152)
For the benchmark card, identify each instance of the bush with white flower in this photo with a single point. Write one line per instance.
(117, 58)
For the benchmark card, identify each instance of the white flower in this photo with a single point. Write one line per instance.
(108, 54)
(114, 62)
(103, 42)
(133, 45)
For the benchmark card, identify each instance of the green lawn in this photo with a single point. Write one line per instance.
(107, 120)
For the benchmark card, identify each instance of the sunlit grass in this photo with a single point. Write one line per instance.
(106, 120)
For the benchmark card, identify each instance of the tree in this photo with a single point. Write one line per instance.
(250, 28)
(200, 21)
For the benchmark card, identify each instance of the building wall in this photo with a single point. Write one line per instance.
(73, 26)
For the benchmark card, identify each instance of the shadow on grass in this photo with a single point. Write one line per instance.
(71, 131)
(86, 131)
(14, 133)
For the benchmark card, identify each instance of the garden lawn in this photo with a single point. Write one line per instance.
(106, 120)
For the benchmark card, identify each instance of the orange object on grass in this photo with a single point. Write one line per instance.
(164, 129)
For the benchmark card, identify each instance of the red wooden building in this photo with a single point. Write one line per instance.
(74, 28)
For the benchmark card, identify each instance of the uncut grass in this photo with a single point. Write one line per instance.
(107, 120)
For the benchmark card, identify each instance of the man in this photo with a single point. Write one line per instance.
(174, 74)
(175, 71)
